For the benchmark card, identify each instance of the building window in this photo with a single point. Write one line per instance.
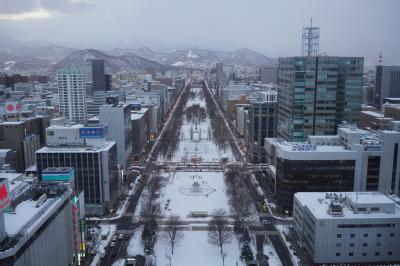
(352, 235)
(351, 254)
(377, 253)
(365, 235)
(374, 209)
(378, 235)
(390, 253)
(337, 254)
(338, 245)
(378, 244)
(364, 254)
(351, 244)
(362, 209)
(391, 234)
(339, 235)
(365, 244)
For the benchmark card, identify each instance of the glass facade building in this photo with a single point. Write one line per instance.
(316, 93)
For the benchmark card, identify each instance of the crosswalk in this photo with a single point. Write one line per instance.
(125, 232)
(265, 232)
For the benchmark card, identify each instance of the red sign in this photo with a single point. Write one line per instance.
(3, 192)
(13, 107)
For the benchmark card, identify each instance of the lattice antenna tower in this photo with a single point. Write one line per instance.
(310, 40)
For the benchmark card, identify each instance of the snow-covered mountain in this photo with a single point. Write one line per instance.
(42, 57)
(201, 58)
(113, 63)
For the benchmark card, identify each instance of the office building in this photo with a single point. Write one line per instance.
(72, 93)
(233, 94)
(368, 94)
(24, 137)
(221, 79)
(139, 136)
(99, 83)
(387, 83)
(353, 160)
(262, 116)
(316, 93)
(242, 115)
(36, 228)
(118, 119)
(93, 158)
(268, 74)
(348, 228)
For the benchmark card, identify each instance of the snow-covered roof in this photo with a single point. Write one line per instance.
(318, 203)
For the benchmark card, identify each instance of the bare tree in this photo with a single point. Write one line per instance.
(172, 236)
(219, 232)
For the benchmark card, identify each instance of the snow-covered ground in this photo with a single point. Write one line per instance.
(196, 251)
(135, 246)
(196, 139)
(182, 202)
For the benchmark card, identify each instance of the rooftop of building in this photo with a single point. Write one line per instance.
(375, 114)
(354, 205)
(85, 149)
(27, 216)
(136, 115)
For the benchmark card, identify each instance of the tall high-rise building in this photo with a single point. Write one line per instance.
(262, 123)
(387, 83)
(72, 93)
(99, 82)
(316, 93)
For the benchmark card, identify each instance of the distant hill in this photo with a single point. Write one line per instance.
(44, 58)
(127, 62)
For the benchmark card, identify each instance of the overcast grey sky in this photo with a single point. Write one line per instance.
(348, 27)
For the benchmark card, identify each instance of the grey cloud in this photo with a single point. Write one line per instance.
(62, 6)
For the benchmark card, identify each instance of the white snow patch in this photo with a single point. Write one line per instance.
(190, 54)
(181, 204)
(9, 65)
(179, 63)
(196, 251)
(135, 246)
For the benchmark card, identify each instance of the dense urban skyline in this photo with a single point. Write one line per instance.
(356, 28)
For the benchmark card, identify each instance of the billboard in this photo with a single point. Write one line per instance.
(4, 193)
(93, 132)
(12, 107)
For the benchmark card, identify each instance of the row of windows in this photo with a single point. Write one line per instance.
(365, 235)
(364, 225)
(351, 254)
(378, 244)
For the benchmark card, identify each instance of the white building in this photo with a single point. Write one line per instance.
(72, 93)
(348, 227)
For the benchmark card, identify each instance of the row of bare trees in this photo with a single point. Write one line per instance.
(220, 133)
(195, 112)
(170, 140)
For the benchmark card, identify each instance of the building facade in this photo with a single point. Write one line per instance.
(316, 93)
(262, 116)
(93, 158)
(348, 228)
(117, 117)
(72, 93)
(98, 75)
(387, 83)
(353, 160)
